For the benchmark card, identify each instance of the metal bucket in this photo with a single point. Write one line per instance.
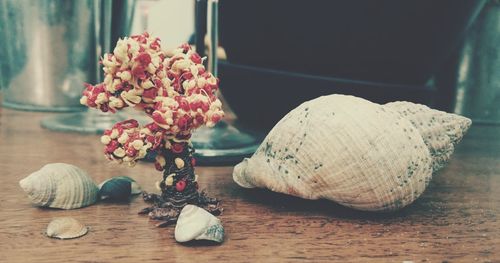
(48, 50)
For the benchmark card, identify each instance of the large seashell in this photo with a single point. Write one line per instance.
(354, 152)
(60, 185)
(119, 188)
(66, 228)
(195, 223)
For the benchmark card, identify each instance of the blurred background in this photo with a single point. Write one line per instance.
(273, 55)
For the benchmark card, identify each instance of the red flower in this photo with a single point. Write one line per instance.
(150, 93)
(216, 118)
(131, 152)
(143, 58)
(138, 71)
(112, 146)
(195, 58)
(158, 118)
(127, 124)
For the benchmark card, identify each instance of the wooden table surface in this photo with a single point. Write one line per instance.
(455, 220)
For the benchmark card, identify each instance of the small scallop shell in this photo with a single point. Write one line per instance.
(119, 188)
(60, 185)
(195, 223)
(354, 152)
(66, 228)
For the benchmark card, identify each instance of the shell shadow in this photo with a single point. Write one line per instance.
(122, 202)
(201, 243)
(290, 204)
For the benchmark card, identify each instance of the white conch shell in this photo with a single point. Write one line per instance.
(60, 185)
(195, 223)
(66, 228)
(354, 152)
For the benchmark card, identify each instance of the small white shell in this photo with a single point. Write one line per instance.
(66, 228)
(354, 152)
(60, 185)
(195, 223)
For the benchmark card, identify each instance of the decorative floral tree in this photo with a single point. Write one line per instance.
(175, 90)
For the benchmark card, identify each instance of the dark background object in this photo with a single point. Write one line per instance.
(477, 73)
(282, 53)
(260, 97)
(200, 23)
(121, 19)
(390, 41)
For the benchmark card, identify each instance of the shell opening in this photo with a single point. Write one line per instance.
(240, 175)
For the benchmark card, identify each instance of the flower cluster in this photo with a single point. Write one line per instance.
(172, 87)
(139, 73)
(136, 65)
(127, 142)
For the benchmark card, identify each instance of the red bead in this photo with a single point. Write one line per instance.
(104, 108)
(193, 162)
(183, 122)
(99, 88)
(177, 148)
(187, 75)
(204, 107)
(199, 118)
(158, 166)
(150, 138)
(88, 87)
(157, 142)
(153, 127)
(131, 152)
(216, 118)
(180, 186)
(185, 47)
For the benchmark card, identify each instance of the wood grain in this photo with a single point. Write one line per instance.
(454, 221)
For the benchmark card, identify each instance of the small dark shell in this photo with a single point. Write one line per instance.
(118, 188)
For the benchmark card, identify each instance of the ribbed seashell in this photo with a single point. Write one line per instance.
(119, 188)
(354, 152)
(66, 228)
(60, 185)
(440, 131)
(195, 223)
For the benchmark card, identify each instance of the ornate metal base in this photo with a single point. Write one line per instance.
(179, 186)
(167, 210)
